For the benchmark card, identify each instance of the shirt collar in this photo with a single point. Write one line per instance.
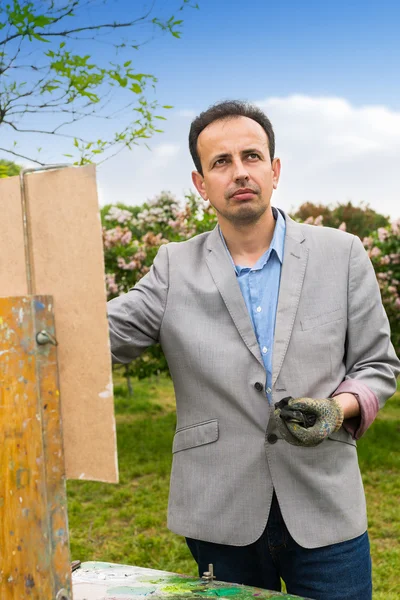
(277, 243)
(278, 240)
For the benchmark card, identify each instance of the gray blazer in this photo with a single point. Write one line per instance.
(330, 326)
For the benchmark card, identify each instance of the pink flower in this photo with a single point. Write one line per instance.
(112, 237)
(368, 241)
(385, 260)
(383, 234)
(131, 266)
(318, 221)
(343, 226)
(126, 238)
(309, 221)
(392, 289)
(397, 303)
(395, 258)
(118, 214)
(140, 255)
(396, 227)
(112, 287)
(374, 252)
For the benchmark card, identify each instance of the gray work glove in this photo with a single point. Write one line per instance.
(307, 421)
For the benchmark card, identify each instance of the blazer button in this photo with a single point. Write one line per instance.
(259, 386)
(272, 438)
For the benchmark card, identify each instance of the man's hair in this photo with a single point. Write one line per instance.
(229, 109)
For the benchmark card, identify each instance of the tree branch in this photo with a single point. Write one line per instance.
(43, 132)
(22, 156)
(80, 29)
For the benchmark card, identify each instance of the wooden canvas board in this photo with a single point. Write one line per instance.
(68, 262)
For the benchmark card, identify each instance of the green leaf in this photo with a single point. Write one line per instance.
(135, 87)
(49, 88)
(40, 38)
(137, 76)
(41, 21)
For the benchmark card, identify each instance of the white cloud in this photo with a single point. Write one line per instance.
(189, 114)
(166, 151)
(334, 152)
(331, 151)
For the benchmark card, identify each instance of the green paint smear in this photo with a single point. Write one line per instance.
(137, 591)
(176, 579)
(227, 591)
(200, 590)
(182, 588)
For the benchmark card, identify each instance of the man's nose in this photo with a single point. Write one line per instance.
(240, 171)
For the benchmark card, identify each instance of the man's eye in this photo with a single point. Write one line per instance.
(220, 161)
(253, 156)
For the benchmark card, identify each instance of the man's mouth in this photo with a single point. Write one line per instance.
(243, 194)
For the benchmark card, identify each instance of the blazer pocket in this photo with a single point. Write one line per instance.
(342, 436)
(196, 435)
(329, 317)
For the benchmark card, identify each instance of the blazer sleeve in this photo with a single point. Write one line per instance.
(135, 317)
(369, 354)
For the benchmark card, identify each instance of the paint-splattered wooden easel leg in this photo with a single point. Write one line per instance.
(34, 551)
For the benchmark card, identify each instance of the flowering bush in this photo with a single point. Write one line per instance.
(132, 236)
(383, 247)
(359, 220)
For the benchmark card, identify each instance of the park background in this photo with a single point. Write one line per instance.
(327, 76)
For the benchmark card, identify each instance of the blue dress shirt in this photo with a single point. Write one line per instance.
(260, 288)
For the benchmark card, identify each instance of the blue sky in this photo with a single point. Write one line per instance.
(327, 74)
(253, 49)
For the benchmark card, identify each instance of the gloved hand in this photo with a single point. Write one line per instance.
(306, 421)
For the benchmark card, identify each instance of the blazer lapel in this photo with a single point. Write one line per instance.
(292, 277)
(224, 277)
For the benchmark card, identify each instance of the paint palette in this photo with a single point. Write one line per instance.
(107, 581)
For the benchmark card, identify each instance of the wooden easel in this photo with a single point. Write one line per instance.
(34, 548)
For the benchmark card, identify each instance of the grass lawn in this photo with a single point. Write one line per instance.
(126, 523)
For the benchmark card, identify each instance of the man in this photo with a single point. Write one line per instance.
(256, 311)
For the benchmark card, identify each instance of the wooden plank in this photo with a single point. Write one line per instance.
(107, 581)
(34, 552)
(12, 257)
(68, 264)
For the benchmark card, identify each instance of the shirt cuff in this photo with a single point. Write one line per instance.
(369, 406)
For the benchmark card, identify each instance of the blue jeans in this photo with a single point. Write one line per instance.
(336, 572)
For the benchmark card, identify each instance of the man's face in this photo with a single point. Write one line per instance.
(238, 177)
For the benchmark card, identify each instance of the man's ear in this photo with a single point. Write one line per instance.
(198, 182)
(276, 169)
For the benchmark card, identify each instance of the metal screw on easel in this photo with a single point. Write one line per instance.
(44, 337)
(208, 576)
(62, 595)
